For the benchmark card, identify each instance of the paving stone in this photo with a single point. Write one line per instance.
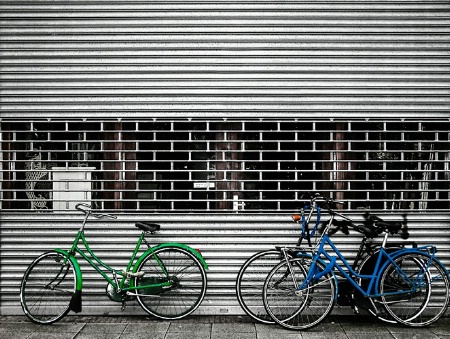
(147, 327)
(53, 335)
(101, 331)
(323, 335)
(233, 335)
(285, 335)
(371, 335)
(19, 327)
(188, 335)
(233, 328)
(187, 327)
(61, 328)
(15, 335)
(414, 336)
(273, 330)
(357, 327)
(151, 330)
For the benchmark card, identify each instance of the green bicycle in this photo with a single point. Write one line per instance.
(168, 280)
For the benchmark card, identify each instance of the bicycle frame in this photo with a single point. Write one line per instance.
(372, 288)
(120, 277)
(97, 264)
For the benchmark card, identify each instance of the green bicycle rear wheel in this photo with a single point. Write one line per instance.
(187, 278)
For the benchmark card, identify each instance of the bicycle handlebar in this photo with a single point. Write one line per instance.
(372, 227)
(317, 197)
(87, 209)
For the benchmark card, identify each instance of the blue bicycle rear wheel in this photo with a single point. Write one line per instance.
(415, 289)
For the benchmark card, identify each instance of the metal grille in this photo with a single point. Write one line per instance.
(224, 165)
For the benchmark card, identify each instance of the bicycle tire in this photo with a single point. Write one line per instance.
(298, 312)
(426, 291)
(250, 283)
(188, 278)
(47, 288)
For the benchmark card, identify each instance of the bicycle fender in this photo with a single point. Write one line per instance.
(420, 250)
(197, 254)
(75, 302)
(76, 267)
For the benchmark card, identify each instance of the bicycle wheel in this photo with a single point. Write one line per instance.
(304, 309)
(47, 288)
(367, 267)
(186, 275)
(415, 290)
(250, 282)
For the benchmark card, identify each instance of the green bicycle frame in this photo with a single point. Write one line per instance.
(117, 283)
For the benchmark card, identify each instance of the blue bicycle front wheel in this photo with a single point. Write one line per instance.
(298, 309)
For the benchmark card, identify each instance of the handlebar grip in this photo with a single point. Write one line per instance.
(78, 207)
(103, 216)
(87, 208)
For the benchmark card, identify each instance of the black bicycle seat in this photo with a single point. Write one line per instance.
(390, 226)
(148, 227)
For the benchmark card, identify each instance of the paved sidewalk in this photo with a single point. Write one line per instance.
(211, 327)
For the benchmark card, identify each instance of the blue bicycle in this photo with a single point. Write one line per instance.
(252, 274)
(410, 284)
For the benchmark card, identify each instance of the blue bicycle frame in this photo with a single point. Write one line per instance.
(314, 274)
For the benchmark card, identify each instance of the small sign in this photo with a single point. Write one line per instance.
(204, 185)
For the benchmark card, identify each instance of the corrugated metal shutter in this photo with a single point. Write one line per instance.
(120, 58)
(170, 59)
(23, 238)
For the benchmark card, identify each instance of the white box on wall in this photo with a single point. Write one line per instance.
(71, 186)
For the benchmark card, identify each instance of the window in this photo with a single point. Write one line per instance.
(228, 165)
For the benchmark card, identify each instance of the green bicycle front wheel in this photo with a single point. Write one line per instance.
(47, 288)
(182, 272)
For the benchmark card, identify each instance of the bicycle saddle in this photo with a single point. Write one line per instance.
(148, 227)
(390, 226)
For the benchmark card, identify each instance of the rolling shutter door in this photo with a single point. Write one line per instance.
(194, 58)
(121, 59)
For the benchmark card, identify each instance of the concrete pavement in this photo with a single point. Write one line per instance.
(211, 327)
